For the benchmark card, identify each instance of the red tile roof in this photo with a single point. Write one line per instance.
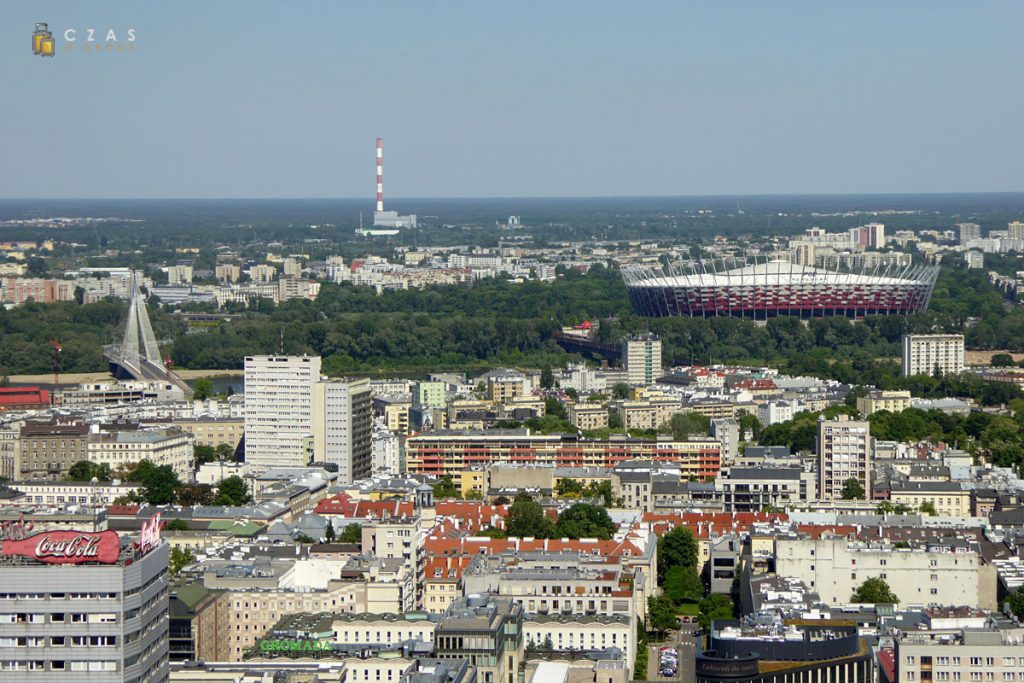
(446, 568)
(887, 663)
(343, 506)
(493, 546)
(710, 524)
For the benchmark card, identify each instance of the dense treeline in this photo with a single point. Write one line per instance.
(494, 322)
(998, 438)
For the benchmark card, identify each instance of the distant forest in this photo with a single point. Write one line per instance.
(495, 323)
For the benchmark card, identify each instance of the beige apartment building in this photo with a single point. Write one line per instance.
(243, 615)
(169, 446)
(845, 451)
(583, 633)
(227, 272)
(503, 389)
(650, 413)
(960, 655)
(210, 431)
(892, 401)
(370, 628)
(641, 358)
(47, 450)
(948, 497)
(835, 567)
(586, 416)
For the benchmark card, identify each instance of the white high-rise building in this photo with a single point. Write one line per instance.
(924, 353)
(279, 409)
(179, 275)
(343, 427)
(845, 451)
(641, 358)
(387, 449)
(968, 232)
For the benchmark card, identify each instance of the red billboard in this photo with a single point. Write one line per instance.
(67, 547)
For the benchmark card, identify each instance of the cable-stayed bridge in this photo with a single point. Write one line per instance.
(138, 355)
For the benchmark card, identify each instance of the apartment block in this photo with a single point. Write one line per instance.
(227, 272)
(213, 431)
(948, 497)
(650, 413)
(122, 449)
(835, 567)
(923, 354)
(279, 409)
(641, 358)
(845, 451)
(892, 401)
(47, 450)
(449, 452)
(343, 427)
(586, 416)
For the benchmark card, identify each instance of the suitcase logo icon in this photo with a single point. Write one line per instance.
(42, 41)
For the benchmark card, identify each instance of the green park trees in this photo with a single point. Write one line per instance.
(873, 591)
(677, 548)
(852, 489)
(232, 492)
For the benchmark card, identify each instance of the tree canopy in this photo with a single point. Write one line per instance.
(527, 518)
(874, 591)
(85, 470)
(159, 484)
(233, 492)
(683, 584)
(852, 489)
(585, 521)
(677, 548)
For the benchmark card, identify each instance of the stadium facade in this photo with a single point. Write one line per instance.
(759, 290)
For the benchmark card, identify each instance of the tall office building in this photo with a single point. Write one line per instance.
(1015, 230)
(84, 606)
(279, 409)
(968, 232)
(343, 427)
(845, 451)
(641, 358)
(923, 354)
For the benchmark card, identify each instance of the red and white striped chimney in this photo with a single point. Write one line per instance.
(380, 174)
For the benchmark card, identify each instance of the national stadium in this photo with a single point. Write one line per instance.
(759, 290)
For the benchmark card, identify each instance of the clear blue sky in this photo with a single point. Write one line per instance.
(284, 99)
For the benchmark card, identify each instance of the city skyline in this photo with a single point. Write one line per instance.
(572, 100)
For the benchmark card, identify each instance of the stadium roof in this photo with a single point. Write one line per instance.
(772, 273)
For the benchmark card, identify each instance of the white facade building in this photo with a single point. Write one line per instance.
(845, 451)
(641, 357)
(386, 452)
(160, 446)
(924, 353)
(279, 409)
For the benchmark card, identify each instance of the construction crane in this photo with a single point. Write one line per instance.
(58, 364)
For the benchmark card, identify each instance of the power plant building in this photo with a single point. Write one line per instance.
(382, 218)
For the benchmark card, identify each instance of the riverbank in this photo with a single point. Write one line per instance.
(80, 377)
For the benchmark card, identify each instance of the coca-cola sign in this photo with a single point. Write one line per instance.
(16, 529)
(67, 547)
(149, 535)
